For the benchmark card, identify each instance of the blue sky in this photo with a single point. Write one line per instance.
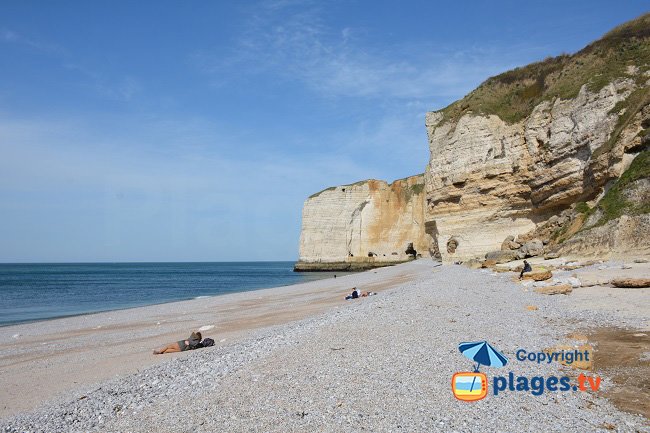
(194, 131)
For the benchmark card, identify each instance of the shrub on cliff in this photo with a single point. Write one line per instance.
(512, 95)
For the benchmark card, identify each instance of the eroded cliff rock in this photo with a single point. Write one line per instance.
(528, 159)
(366, 224)
(522, 148)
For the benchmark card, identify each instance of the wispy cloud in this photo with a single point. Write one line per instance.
(13, 37)
(122, 88)
(290, 39)
(118, 89)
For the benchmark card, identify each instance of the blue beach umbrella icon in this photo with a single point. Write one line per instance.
(482, 353)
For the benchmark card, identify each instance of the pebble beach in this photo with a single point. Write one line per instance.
(380, 364)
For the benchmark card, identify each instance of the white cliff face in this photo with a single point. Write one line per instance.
(366, 222)
(487, 179)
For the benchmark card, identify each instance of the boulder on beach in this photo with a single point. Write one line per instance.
(631, 283)
(560, 289)
(530, 249)
(540, 274)
(501, 256)
(510, 244)
(473, 264)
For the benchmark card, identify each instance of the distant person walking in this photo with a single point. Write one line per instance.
(526, 268)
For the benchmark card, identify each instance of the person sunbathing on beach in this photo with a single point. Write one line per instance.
(194, 342)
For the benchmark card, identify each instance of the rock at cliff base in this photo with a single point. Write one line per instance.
(551, 256)
(531, 249)
(473, 264)
(501, 256)
(501, 269)
(631, 283)
(510, 244)
(489, 263)
(538, 275)
(560, 289)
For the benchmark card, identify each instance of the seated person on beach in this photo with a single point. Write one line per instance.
(194, 342)
(526, 268)
(355, 294)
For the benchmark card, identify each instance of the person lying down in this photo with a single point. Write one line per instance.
(193, 342)
(356, 293)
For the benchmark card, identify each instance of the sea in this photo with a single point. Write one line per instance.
(33, 292)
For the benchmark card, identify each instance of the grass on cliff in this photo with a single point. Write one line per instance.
(513, 94)
(316, 194)
(414, 190)
(614, 204)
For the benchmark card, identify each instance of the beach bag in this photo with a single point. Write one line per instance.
(207, 342)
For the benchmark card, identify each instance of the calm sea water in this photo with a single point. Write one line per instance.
(30, 292)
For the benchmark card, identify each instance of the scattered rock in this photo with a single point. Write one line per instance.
(593, 280)
(631, 283)
(473, 264)
(561, 289)
(510, 244)
(574, 282)
(577, 336)
(538, 275)
(640, 261)
(531, 308)
(501, 270)
(530, 249)
(206, 328)
(489, 263)
(501, 256)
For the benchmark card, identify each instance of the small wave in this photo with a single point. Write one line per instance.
(201, 297)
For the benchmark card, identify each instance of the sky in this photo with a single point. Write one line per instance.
(195, 130)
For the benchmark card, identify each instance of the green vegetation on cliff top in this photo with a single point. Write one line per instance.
(413, 189)
(513, 94)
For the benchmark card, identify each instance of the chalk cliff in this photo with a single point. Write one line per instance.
(542, 153)
(366, 224)
(532, 142)
(487, 179)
